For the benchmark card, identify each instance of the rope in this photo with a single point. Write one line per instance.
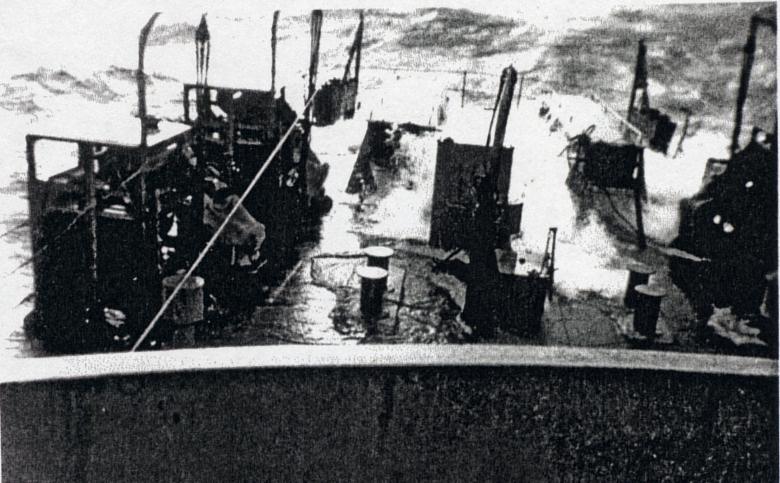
(217, 233)
(617, 211)
(443, 71)
(618, 117)
(650, 242)
(430, 71)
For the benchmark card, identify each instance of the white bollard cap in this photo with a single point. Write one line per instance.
(378, 251)
(371, 273)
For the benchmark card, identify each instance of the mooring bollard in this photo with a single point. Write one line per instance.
(638, 274)
(187, 307)
(648, 306)
(373, 281)
(379, 256)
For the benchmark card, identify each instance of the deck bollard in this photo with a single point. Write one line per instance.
(187, 307)
(638, 274)
(373, 281)
(648, 306)
(379, 256)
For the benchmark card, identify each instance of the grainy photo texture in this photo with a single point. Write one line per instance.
(510, 242)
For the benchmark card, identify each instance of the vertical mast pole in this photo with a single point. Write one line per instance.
(273, 50)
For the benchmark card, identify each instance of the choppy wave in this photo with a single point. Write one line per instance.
(694, 59)
(60, 82)
(129, 74)
(479, 34)
(172, 33)
(17, 99)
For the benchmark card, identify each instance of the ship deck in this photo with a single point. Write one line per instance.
(317, 301)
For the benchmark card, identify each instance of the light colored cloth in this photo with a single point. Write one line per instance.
(243, 230)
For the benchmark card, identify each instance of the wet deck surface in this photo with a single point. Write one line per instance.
(319, 303)
(318, 300)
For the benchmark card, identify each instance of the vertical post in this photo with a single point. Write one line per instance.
(648, 307)
(508, 79)
(373, 282)
(316, 29)
(640, 77)
(463, 90)
(484, 289)
(744, 80)
(683, 134)
(639, 186)
(359, 48)
(186, 100)
(140, 77)
(554, 233)
(202, 47)
(273, 50)
(520, 89)
(87, 163)
(33, 201)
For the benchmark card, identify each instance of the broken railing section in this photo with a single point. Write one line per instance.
(338, 97)
(656, 127)
(470, 212)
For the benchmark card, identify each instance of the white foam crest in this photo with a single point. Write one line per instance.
(406, 211)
